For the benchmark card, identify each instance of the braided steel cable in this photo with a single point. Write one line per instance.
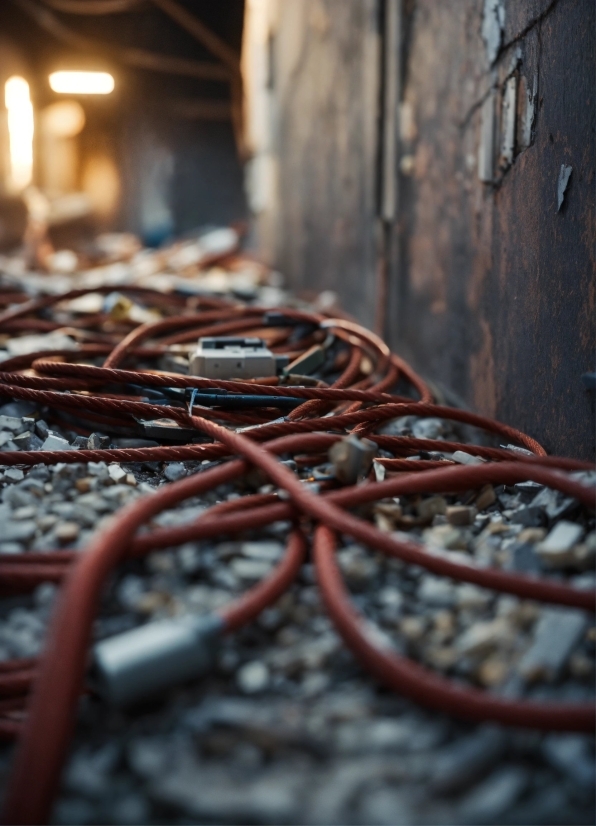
(356, 402)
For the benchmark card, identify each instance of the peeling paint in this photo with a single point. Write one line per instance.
(493, 25)
(487, 139)
(509, 112)
(529, 116)
(562, 184)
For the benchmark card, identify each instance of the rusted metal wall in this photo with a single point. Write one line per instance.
(493, 284)
(490, 286)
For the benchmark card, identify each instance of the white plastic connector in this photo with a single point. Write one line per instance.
(232, 358)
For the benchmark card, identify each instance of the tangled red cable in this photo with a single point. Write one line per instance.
(113, 397)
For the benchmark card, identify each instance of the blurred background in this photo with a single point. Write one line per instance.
(432, 164)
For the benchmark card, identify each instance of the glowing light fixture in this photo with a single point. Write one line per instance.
(82, 83)
(17, 100)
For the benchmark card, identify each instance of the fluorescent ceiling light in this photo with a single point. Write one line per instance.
(82, 83)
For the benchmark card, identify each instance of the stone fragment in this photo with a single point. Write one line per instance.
(384, 523)
(15, 531)
(412, 628)
(250, 570)
(13, 474)
(472, 598)
(571, 755)
(222, 796)
(10, 548)
(380, 471)
(523, 558)
(460, 515)
(98, 441)
(437, 591)
(483, 637)
(428, 428)
(42, 430)
(83, 485)
(6, 442)
(67, 532)
(493, 671)
(79, 443)
(28, 512)
(557, 633)
(54, 442)
(175, 471)
(462, 763)
(557, 550)
(265, 550)
(253, 677)
(18, 409)
(116, 473)
(448, 537)
(352, 458)
(495, 796)
(463, 458)
(486, 497)
(430, 507)
(531, 535)
(357, 566)
(27, 441)
(14, 424)
(530, 517)
(554, 503)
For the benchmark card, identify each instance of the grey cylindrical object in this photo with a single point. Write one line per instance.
(156, 656)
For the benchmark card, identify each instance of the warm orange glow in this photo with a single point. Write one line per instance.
(101, 183)
(64, 119)
(20, 131)
(82, 83)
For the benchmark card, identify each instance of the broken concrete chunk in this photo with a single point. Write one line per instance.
(27, 441)
(433, 505)
(555, 504)
(486, 498)
(13, 424)
(352, 458)
(80, 443)
(54, 442)
(117, 474)
(459, 765)
(464, 458)
(460, 515)
(98, 442)
(557, 633)
(437, 591)
(13, 474)
(42, 429)
(483, 637)
(557, 550)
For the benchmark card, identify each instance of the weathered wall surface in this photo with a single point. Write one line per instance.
(491, 288)
(494, 288)
(325, 76)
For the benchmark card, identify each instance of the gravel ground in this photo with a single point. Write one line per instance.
(288, 728)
